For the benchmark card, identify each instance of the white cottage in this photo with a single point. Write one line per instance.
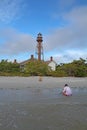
(51, 63)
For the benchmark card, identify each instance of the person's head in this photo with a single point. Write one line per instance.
(66, 85)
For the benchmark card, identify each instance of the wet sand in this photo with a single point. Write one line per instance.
(30, 104)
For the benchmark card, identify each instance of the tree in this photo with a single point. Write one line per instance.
(37, 68)
(9, 67)
(77, 68)
(81, 68)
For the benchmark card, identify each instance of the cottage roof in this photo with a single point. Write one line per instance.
(29, 60)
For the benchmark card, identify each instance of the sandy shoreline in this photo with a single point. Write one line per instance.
(47, 82)
(40, 105)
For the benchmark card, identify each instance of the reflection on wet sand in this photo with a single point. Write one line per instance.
(43, 109)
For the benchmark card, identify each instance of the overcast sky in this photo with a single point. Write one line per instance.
(62, 23)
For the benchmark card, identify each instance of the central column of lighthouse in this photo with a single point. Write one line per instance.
(39, 46)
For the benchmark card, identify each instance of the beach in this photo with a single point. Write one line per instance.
(47, 82)
(29, 104)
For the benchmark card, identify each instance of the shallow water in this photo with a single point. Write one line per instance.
(43, 109)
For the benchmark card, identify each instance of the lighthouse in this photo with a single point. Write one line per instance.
(39, 47)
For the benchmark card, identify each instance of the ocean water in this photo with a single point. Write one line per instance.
(43, 109)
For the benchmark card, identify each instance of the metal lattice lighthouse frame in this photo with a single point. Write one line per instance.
(39, 47)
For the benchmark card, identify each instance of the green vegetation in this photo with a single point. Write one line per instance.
(77, 68)
(37, 68)
(9, 68)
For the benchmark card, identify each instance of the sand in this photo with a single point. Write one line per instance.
(47, 82)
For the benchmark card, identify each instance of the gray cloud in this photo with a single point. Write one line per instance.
(16, 43)
(72, 36)
(66, 41)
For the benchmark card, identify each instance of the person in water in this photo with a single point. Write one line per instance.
(67, 90)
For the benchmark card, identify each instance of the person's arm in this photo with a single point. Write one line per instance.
(64, 90)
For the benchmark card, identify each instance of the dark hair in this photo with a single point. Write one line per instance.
(66, 84)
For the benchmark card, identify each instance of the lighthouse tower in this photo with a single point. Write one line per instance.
(39, 47)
